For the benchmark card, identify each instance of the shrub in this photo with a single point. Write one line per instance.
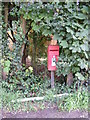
(23, 81)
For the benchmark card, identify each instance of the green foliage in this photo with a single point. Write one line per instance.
(74, 43)
(77, 100)
(69, 27)
(23, 81)
(6, 66)
(7, 97)
(12, 59)
(49, 95)
(80, 76)
(7, 104)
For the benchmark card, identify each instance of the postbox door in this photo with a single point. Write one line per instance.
(52, 62)
(52, 59)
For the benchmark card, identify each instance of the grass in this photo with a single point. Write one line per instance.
(78, 99)
(6, 103)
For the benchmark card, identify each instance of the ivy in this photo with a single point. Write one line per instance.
(68, 25)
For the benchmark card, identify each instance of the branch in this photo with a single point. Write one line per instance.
(12, 31)
(28, 31)
(11, 38)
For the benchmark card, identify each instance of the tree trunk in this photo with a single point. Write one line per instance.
(34, 55)
(69, 79)
(23, 49)
(23, 24)
(6, 13)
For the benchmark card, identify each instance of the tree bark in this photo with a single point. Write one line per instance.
(34, 55)
(6, 13)
(23, 49)
(69, 79)
(23, 24)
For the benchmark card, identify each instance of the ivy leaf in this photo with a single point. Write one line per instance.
(7, 63)
(69, 30)
(56, 37)
(74, 50)
(42, 15)
(86, 54)
(82, 34)
(46, 32)
(26, 16)
(84, 47)
(64, 44)
(85, 9)
(64, 72)
(75, 69)
(80, 76)
(76, 24)
(83, 64)
(80, 16)
(35, 27)
(75, 43)
(62, 33)
(6, 69)
(74, 37)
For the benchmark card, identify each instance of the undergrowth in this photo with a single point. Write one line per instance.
(77, 100)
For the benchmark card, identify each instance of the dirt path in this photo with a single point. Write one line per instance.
(0, 114)
(46, 113)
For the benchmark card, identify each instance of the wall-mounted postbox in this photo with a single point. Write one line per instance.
(53, 53)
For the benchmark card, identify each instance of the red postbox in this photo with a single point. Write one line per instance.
(53, 53)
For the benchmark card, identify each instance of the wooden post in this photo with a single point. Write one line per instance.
(52, 79)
